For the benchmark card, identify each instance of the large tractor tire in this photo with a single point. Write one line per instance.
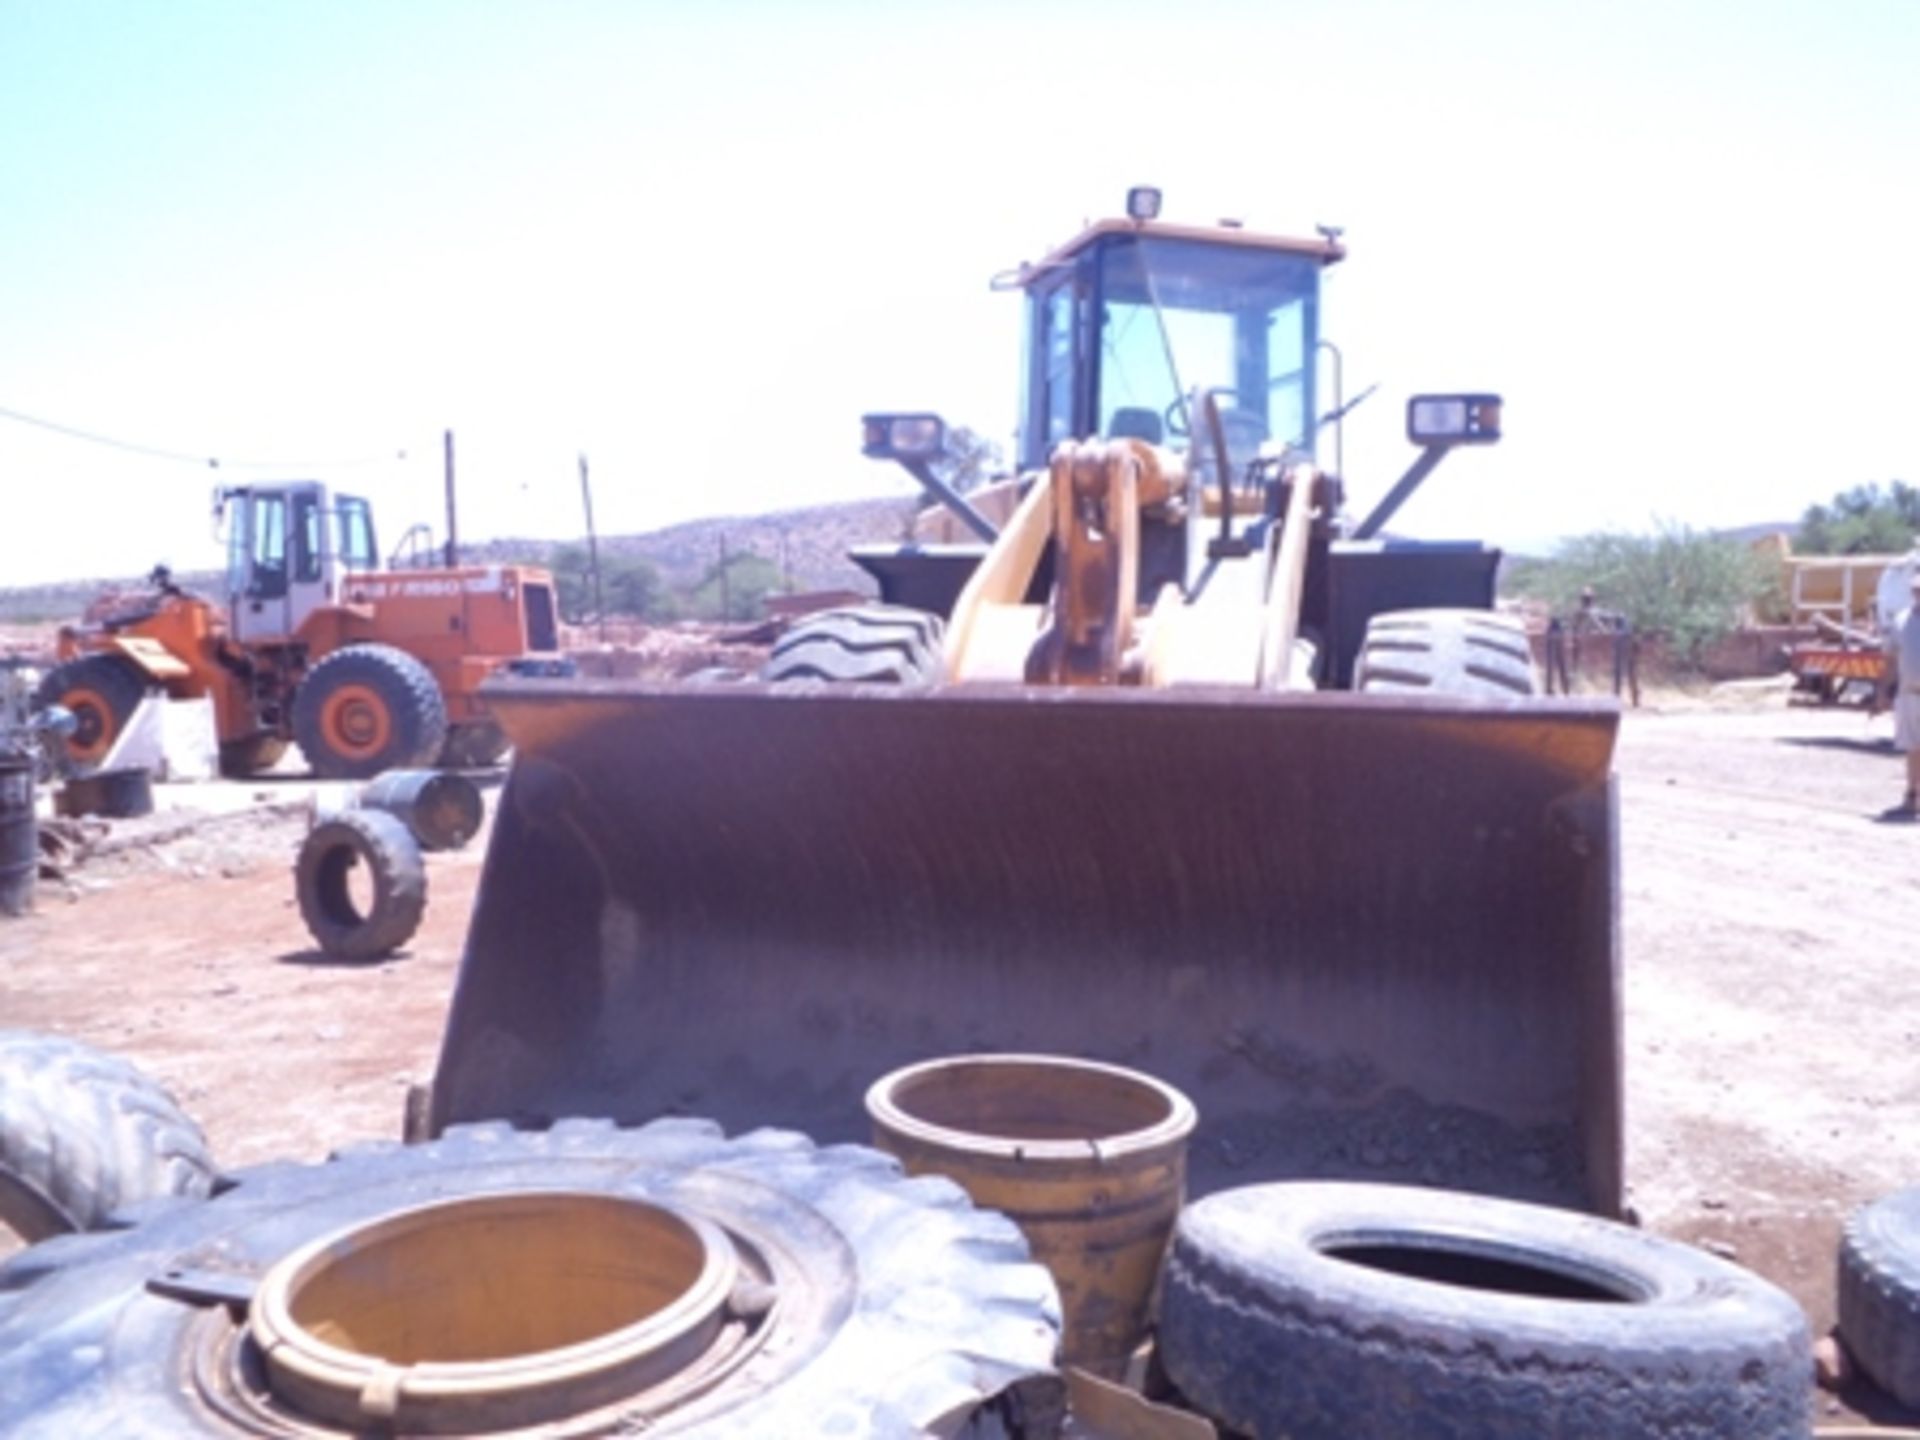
(83, 1134)
(1326, 1311)
(1880, 1292)
(241, 758)
(396, 882)
(102, 691)
(368, 708)
(860, 1303)
(1471, 654)
(870, 644)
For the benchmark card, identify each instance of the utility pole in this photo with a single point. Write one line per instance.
(726, 603)
(593, 551)
(453, 534)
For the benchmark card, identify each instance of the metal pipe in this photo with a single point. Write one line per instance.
(453, 534)
(1339, 407)
(1431, 456)
(952, 499)
(593, 550)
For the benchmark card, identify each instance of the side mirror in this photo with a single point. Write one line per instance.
(1453, 419)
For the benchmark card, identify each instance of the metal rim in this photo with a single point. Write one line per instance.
(356, 720)
(93, 726)
(316, 1368)
(895, 1103)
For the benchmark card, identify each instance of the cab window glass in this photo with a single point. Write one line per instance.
(306, 538)
(269, 513)
(356, 533)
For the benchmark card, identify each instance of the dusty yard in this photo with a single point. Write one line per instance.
(1771, 924)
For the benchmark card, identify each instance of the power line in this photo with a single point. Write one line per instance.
(212, 462)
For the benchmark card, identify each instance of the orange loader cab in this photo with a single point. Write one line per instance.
(365, 668)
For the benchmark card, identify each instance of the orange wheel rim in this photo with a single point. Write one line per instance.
(355, 721)
(93, 727)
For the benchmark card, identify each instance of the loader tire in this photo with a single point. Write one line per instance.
(84, 1134)
(102, 691)
(396, 872)
(241, 758)
(866, 644)
(896, 1306)
(1880, 1293)
(1324, 1311)
(1472, 654)
(368, 708)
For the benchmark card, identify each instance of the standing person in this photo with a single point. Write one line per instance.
(1903, 648)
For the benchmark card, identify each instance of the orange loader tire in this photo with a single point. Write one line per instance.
(369, 708)
(102, 691)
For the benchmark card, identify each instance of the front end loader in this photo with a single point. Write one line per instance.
(1177, 766)
(368, 668)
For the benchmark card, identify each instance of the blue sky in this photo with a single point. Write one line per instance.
(696, 242)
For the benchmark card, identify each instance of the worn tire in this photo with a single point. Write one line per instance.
(1268, 1330)
(1880, 1292)
(368, 708)
(870, 644)
(387, 848)
(899, 1302)
(1473, 654)
(84, 1134)
(102, 691)
(241, 758)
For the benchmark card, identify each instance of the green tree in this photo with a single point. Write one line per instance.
(1677, 582)
(971, 459)
(632, 586)
(572, 584)
(1865, 520)
(629, 585)
(734, 589)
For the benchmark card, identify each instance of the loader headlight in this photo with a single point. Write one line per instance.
(1453, 419)
(904, 437)
(1143, 203)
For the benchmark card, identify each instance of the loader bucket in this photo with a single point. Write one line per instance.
(1370, 936)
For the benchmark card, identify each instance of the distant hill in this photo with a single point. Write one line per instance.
(809, 545)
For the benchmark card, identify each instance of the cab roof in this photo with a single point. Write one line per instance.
(1329, 251)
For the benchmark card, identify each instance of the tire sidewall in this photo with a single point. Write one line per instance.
(1251, 1298)
(414, 712)
(391, 856)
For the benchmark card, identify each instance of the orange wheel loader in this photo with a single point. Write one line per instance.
(1177, 766)
(366, 668)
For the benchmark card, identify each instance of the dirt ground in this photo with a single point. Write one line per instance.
(1771, 923)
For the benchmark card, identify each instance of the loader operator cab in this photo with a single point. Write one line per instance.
(289, 546)
(1132, 318)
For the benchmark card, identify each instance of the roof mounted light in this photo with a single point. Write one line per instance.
(1143, 204)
